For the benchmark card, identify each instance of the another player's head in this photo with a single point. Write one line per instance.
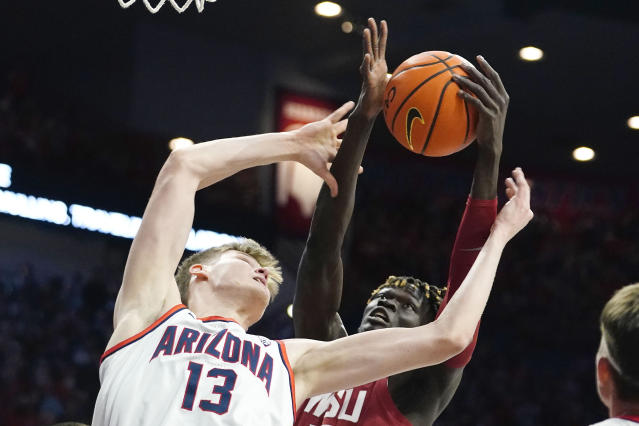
(618, 355)
(401, 302)
(242, 270)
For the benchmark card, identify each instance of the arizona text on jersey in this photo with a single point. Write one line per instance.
(184, 370)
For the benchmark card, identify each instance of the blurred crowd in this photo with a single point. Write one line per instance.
(534, 363)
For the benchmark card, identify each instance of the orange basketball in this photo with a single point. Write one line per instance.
(422, 109)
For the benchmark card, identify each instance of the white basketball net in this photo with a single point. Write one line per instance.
(198, 3)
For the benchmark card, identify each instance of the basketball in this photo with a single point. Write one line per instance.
(422, 109)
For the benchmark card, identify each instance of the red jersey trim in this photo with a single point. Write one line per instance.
(480, 203)
(142, 333)
(631, 418)
(291, 376)
(389, 404)
(216, 318)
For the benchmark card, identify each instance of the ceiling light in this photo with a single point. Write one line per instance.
(531, 53)
(5, 175)
(633, 122)
(328, 9)
(178, 143)
(347, 27)
(289, 311)
(583, 153)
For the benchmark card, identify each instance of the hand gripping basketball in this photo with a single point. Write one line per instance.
(487, 94)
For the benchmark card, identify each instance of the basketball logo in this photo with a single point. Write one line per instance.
(422, 109)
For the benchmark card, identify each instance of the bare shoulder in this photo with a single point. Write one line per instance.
(135, 321)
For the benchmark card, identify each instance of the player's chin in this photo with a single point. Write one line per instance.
(367, 325)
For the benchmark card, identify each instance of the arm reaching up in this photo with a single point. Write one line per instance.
(319, 279)
(148, 287)
(321, 367)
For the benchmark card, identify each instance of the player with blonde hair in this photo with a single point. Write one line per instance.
(618, 357)
(169, 364)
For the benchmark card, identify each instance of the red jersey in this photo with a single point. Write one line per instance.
(369, 405)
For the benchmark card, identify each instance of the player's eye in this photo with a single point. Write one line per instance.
(410, 306)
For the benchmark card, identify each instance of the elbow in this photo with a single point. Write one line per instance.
(178, 165)
(458, 342)
(456, 339)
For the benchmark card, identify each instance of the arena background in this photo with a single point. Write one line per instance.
(90, 95)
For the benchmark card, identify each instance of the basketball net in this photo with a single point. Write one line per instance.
(198, 3)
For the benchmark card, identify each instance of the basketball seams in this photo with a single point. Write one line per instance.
(419, 86)
(440, 129)
(434, 121)
(464, 142)
(439, 61)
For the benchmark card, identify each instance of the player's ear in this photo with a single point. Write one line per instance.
(199, 271)
(605, 383)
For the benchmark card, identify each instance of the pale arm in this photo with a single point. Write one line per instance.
(321, 367)
(148, 287)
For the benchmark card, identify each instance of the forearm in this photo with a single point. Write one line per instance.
(474, 228)
(319, 280)
(212, 161)
(466, 306)
(486, 174)
(333, 215)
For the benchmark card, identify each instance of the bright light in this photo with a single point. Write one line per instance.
(328, 9)
(531, 53)
(388, 75)
(583, 153)
(35, 208)
(5, 175)
(178, 143)
(347, 27)
(289, 311)
(633, 122)
(96, 220)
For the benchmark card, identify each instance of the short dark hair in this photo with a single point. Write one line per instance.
(619, 323)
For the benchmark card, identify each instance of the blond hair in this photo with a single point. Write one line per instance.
(619, 323)
(245, 245)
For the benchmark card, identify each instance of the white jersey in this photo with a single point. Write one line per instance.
(616, 421)
(187, 371)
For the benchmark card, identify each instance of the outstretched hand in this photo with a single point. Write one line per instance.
(491, 101)
(319, 144)
(373, 69)
(516, 213)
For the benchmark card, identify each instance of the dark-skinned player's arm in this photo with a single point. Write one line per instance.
(319, 279)
(148, 287)
(491, 101)
(474, 228)
(320, 367)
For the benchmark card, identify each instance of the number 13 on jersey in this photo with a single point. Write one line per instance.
(224, 390)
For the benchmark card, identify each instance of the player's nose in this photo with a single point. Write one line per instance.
(263, 272)
(387, 303)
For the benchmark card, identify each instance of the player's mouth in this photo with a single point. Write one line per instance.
(379, 315)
